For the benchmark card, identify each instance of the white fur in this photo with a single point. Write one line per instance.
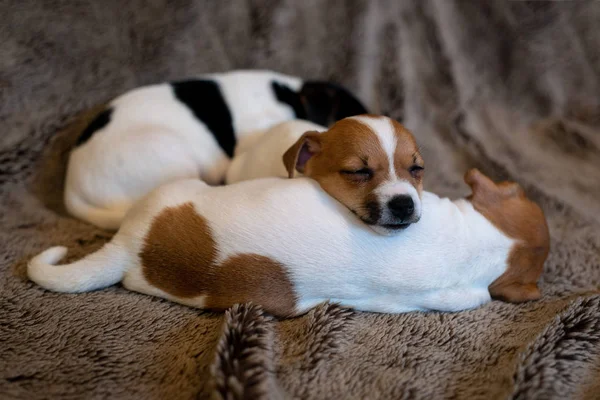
(152, 139)
(394, 186)
(384, 130)
(445, 262)
(265, 157)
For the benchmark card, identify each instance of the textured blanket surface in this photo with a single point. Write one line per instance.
(510, 87)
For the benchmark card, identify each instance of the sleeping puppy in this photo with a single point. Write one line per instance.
(371, 164)
(286, 245)
(188, 129)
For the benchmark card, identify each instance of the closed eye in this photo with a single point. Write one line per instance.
(361, 174)
(416, 170)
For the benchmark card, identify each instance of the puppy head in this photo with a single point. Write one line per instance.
(507, 207)
(325, 103)
(371, 164)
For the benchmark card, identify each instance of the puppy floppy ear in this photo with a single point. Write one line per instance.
(295, 157)
(475, 177)
(478, 181)
(512, 189)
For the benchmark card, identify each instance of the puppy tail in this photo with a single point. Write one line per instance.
(105, 218)
(97, 270)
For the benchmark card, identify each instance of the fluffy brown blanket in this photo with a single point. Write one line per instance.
(510, 87)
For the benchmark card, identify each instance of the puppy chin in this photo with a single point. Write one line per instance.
(391, 228)
(387, 231)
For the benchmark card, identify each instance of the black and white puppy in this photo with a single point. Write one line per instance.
(187, 129)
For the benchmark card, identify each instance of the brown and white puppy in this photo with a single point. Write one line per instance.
(286, 245)
(371, 164)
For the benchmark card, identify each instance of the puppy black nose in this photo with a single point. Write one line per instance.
(401, 207)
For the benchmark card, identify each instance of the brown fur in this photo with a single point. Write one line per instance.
(407, 154)
(351, 145)
(186, 267)
(506, 206)
(49, 184)
(82, 121)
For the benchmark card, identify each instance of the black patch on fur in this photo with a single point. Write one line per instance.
(325, 102)
(205, 100)
(97, 123)
(285, 94)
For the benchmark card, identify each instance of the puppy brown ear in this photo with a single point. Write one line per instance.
(512, 189)
(473, 177)
(515, 292)
(477, 180)
(295, 157)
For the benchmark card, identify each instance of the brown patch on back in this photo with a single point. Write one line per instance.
(179, 251)
(179, 257)
(506, 206)
(252, 278)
